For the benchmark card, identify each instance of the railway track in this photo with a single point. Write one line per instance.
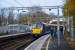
(15, 43)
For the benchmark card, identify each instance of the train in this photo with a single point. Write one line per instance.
(43, 29)
(35, 30)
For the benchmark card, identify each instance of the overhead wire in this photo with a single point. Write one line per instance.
(18, 2)
(7, 2)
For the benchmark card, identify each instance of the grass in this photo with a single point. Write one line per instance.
(3, 34)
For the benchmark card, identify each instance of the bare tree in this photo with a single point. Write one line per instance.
(11, 17)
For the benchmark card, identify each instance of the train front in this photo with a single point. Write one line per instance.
(37, 30)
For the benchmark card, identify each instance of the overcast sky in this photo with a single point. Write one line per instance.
(26, 3)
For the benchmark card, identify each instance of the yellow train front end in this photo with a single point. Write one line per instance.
(36, 31)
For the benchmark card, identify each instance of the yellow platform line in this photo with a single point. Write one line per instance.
(48, 44)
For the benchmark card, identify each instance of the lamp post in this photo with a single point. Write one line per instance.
(58, 26)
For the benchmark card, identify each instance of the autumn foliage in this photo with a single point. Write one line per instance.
(69, 9)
